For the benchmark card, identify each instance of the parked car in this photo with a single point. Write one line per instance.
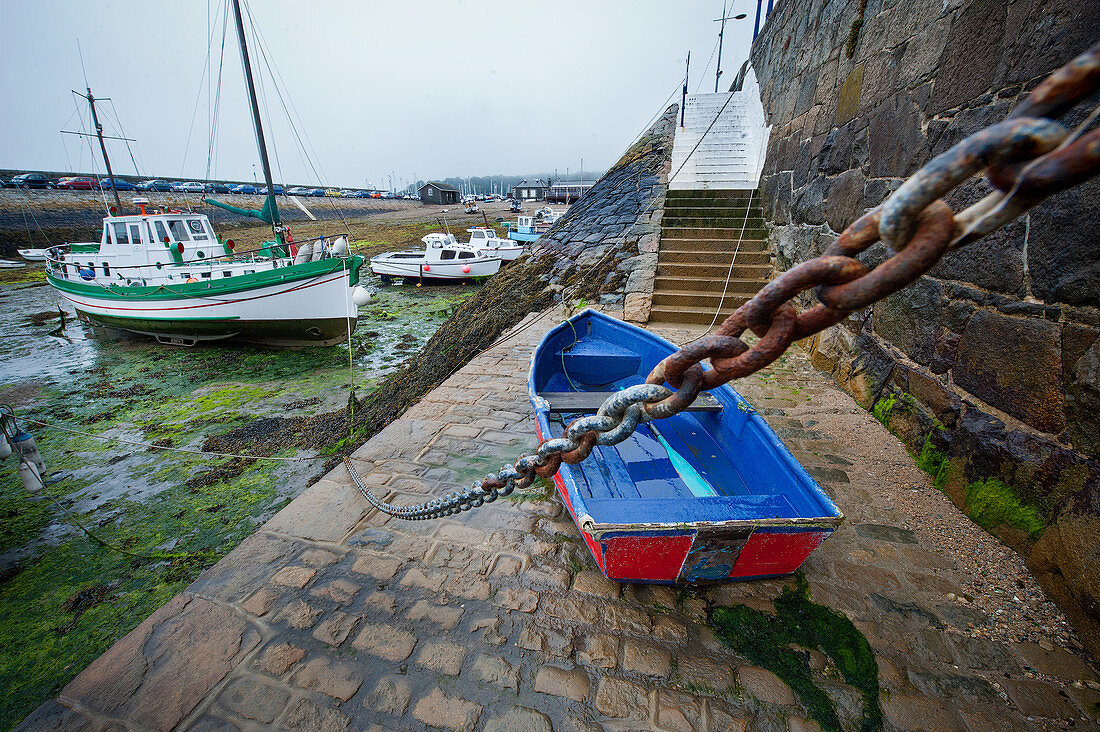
(279, 190)
(32, 180)
(244, 188)
(78, 184)
(155, 185)
(120, 184)
(190, 186)
(300, 191)
(317, 193)
(219, 187)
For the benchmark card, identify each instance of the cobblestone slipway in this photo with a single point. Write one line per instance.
(333, 617)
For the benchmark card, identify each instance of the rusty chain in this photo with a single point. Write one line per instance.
(1027, 157)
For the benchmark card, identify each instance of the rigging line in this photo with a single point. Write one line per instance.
(154, 446)
(653, 119)
(703, 73)
(310, 161)
(216, 113)
(122, 133)
(263, 92)
(195, 111)
(280, 85)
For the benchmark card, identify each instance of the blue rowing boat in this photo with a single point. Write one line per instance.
(709, 494)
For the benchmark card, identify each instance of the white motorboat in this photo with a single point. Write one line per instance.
(443, 258)
(10, 264)
(486, 240)
(33, 255)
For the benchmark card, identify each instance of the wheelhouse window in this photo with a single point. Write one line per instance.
(135, 234)
(162, 233)
(178, 229)
(447, 254)
(466, 255)
(121, 236)
(198, 232)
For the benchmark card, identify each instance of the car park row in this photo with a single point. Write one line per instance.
(87, 183)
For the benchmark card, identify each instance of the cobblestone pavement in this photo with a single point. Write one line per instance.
(333, 617)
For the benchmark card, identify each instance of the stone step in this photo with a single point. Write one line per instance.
(673, 314)
(714, 222)
(753, 221)
(742, 280)
(704, 270)
(695, 234)
(707, 195)
(704, 300)
(721, 263)
(717, 256)
(731, 207)
(713, 244)
(686, 183)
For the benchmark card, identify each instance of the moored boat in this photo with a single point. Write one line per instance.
(486, 240)
(33, 255)
(443, 258)
(527, 228)
(169, 276)
(166, 274)
(709, 494)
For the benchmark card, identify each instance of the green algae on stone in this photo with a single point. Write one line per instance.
(767, 641)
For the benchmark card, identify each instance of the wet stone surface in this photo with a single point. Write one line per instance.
(497, 618)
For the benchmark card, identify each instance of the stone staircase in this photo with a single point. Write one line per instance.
(699, 235)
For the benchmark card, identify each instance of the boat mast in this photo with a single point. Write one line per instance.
(256, 122)
(103, 148)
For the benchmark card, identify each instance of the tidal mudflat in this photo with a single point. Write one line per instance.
(135, 506)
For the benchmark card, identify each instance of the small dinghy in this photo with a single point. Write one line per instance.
(33, 255)
(709, 494)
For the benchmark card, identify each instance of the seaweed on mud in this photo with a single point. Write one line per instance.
(767, 641)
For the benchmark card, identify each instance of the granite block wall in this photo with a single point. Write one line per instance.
(989, 366)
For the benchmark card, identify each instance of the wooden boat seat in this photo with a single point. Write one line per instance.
(590, 401)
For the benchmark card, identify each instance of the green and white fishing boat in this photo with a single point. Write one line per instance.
(166, 274)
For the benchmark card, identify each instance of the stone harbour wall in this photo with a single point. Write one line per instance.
(605, 247)
(989, 367)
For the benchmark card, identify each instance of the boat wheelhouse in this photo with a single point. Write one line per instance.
(443, 258)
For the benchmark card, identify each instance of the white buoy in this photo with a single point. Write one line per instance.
(318, 250)
(5, 448)
(25, 445)
(360, 295)
(32, 481)
(340, 247)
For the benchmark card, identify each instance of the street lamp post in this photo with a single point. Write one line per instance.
(721, 32)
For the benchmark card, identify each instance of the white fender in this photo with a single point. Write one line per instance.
(360, 295)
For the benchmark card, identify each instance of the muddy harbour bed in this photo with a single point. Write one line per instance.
(128, 428)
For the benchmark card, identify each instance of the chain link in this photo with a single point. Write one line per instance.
(1027, 157)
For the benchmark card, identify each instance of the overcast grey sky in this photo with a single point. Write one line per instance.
(434, 88)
